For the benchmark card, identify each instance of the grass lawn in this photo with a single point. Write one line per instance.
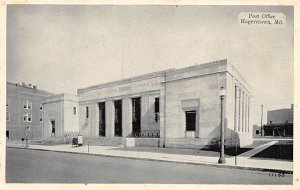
(279, 151)
(229, 151)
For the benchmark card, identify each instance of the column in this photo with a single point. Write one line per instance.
(162, 119)
(94, 120)
(144, 112)
(243, 110)
(236, 109)
(109, 118)
(239, 114)
(249, 114)
(126, 117)
(246, 112)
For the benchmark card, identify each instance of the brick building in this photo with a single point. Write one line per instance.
(280, 122)
(24, 111)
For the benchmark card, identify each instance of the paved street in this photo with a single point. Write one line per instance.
(33, 166)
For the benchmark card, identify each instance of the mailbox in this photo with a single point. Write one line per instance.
(80, 140)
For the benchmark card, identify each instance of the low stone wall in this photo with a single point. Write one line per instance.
(54, 141)
(121, 141)
(142, 142)
(185, 143)
(104, 141)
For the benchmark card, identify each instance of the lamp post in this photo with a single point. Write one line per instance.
(222, 139)
(261, 126)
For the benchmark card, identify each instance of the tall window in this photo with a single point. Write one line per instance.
(27, 104)
(74, 110)
(156, 109)
(156, 105)
(87, 111)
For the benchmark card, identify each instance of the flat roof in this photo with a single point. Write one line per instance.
(28, 88)
(211, 64)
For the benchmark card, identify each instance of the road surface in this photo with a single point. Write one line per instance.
(34, 166)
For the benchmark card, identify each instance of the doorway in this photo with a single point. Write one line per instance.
(102, 119)
(118, 118)
(136, 116)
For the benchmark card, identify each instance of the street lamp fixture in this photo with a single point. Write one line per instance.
(222, 138)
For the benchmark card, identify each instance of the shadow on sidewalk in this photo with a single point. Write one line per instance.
(209, 152)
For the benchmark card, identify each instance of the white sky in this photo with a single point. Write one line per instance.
(63, 48)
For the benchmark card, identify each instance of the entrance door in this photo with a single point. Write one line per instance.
(136, 116)
(118, 118)
(190, 120)
(102, 119)
(52, 128)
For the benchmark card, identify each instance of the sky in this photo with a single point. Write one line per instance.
(61, 48)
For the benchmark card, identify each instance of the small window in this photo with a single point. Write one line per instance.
(156, 105)
(41, 107)
(25, 115)
(41, 119)
(7, 102)
(74, 110)
(29, 105)
(25, 104)
(29, 117)
(87, 111)
(257, 132)
(7, 116)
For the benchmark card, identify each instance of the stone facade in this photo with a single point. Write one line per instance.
(177, 107)
(60, 117)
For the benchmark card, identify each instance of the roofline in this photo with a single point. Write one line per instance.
(150, 75)
(20, 85)
(198, 66)
(236, 74)
(124, 81)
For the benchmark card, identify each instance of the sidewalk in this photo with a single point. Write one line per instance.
(198, 157)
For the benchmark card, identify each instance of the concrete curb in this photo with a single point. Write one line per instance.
(170, 161)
